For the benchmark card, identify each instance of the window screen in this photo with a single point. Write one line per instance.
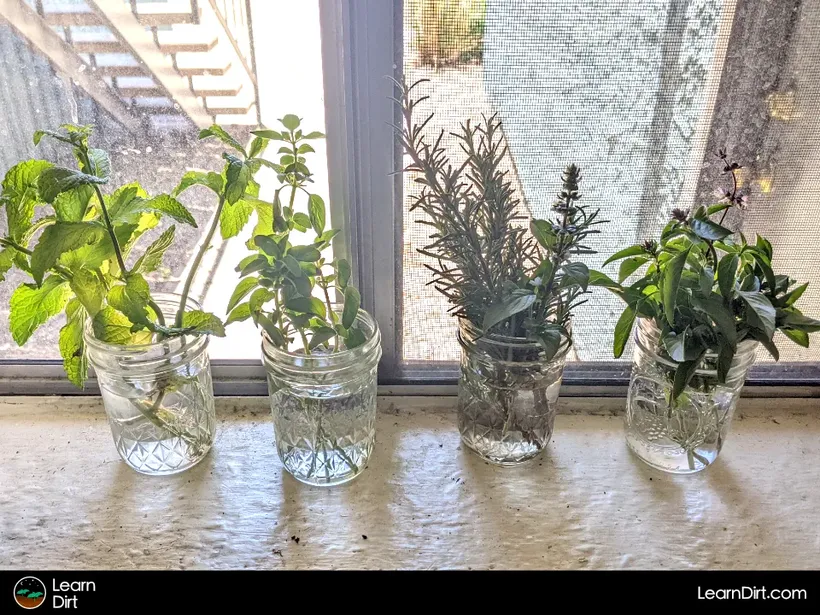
(640, 95)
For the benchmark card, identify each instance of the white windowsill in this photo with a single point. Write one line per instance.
(67, 500)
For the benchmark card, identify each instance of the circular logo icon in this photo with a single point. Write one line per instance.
(30, 592)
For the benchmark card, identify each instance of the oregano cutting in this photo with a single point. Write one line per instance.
(280, 282)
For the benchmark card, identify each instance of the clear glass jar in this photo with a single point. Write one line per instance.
(685, 436)
(507, 395)
(158, 397)
(324, 407)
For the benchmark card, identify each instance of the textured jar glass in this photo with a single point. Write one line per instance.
(507, 395)
(324, 407)
(685, 436)
(158, 397)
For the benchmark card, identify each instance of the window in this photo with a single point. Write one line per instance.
(640, 95)
(149, 74)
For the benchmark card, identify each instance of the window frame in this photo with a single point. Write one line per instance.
(362, 44)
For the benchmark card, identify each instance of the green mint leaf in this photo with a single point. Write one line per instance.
(316, 208)
(205, 323)
(353, 301)
(31, 306)
(234, 218)
(113, 327)
(291, 122)
(60, 238)
(6, 261)
(20, 195)
(210, 180)
(72, 346)
(89, 289)
(518, 301)
(152, 257)
(245, 286)
(264, 219)
(100, 163)
(258, 146)
(167, 205)
(221, 134)
(55, 180)
(132, 299)
(72, 205)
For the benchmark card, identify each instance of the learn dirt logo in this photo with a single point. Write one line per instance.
(30, 592)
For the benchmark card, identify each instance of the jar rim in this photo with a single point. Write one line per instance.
(373, 340)
(170, 299)
(524, 343)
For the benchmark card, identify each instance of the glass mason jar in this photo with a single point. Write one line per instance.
(507, 395)
(324, 407)
(158, 397)
(685, 436)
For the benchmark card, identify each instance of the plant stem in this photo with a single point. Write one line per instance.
(198, 260)
(5, 241)
(109, 226)
(330, 317)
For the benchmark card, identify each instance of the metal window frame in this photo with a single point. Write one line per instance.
(361, 45)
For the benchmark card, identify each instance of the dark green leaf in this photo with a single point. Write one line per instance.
(706, 229)
(727, 270)
(237, 175)
(351, 308)
(301, 221)
(683, 376)
(760, 312)
(766, 341)
(623, 328)
(792, 296)
(268, 245)
(268, 134)
(355, 338)
(551, 340)
(671, 273)
(795, 320)
(596, 278)
(797, 336)
(630, 266)
(575, 273)
(543, 233)
(239, 313)
(320, 336)
(507, 307)
(630, 251)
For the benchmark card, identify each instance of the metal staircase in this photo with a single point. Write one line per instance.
(163, 60)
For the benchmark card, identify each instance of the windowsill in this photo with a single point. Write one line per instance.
(423, 502)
